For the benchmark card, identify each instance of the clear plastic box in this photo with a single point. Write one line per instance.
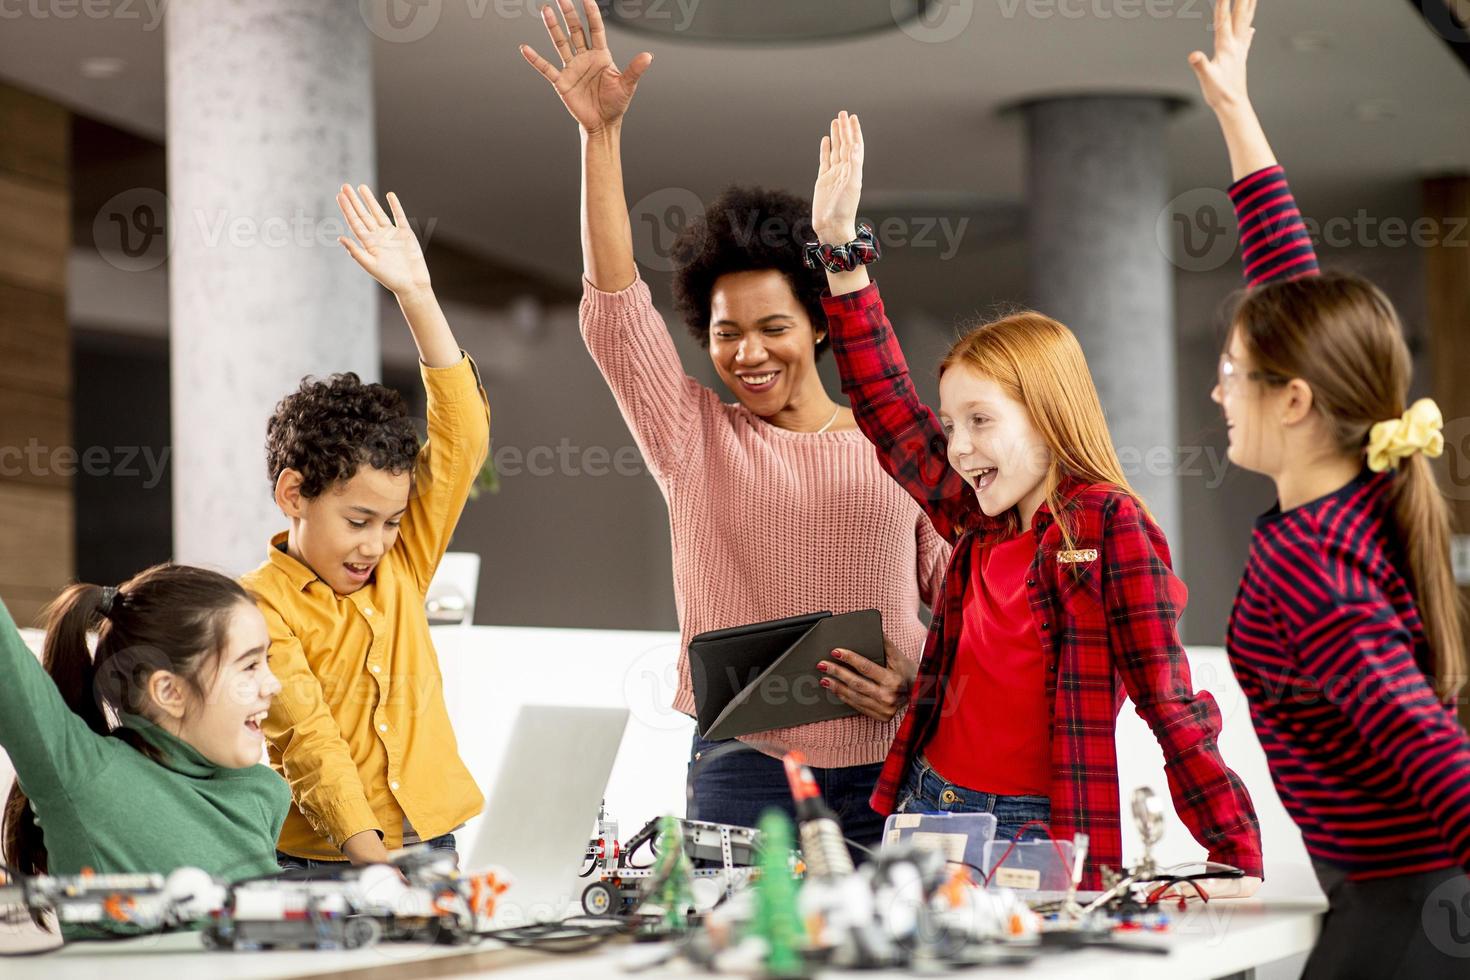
(1039, 868)
(961, 837)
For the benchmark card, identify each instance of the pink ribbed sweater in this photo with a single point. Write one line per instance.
(766, 523)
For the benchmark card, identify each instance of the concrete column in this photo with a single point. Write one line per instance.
(1098, 177)
(270, 109)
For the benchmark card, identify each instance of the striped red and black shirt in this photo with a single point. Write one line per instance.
(1330, 651)
(1274, 243)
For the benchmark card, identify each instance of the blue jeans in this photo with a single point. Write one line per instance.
(739, 784)
(289, 863)
(925, 791)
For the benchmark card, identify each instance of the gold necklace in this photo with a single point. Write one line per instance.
(835, 412)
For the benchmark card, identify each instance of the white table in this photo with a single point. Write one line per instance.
(490, 671)
(1209, 941)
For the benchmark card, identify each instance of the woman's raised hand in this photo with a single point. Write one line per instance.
(839, 184)
(1222, 78)
(590, 85)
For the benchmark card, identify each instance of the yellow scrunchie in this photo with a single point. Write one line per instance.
(1417, 431)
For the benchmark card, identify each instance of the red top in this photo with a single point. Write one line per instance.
(998, 737)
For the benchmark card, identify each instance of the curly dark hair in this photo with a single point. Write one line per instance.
(326, 429)
(745, 229)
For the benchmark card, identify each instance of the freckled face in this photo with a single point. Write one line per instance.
(992, 442)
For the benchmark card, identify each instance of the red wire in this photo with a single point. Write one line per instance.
(1017, 840)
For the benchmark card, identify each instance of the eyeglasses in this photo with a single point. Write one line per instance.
(1229, 373)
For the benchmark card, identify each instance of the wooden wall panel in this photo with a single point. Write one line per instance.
(30, 357)
(37, 137)
(37, 504)
(36, 545)
(1447, 278)
(36, 234)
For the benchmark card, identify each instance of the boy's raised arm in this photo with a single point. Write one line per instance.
(389, 251)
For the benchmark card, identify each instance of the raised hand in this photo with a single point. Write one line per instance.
(839, 184)
(590, 85)
(1222, 78)
(386, 248)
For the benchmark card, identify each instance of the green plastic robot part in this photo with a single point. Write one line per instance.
(672, 890)
(777, 920)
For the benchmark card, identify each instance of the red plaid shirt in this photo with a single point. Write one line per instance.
(1108, 626)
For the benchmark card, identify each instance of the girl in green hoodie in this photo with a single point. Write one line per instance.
(145, 756)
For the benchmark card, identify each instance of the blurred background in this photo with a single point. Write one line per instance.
(168, 265)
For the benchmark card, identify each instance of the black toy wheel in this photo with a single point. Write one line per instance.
(600, 898)
(359, 932)
(214, 939)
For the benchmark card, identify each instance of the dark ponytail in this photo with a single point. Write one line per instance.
(169, 617)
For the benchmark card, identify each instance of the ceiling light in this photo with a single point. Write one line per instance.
(102, 67)
(783, 21)
(1309, 42)
(1376, 110)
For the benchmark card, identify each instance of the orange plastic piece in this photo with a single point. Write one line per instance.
(484, 890)
(119, 907)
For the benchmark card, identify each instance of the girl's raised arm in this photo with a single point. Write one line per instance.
(1222, 81)
(1274, 241)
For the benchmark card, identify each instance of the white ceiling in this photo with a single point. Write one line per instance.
(472, 136)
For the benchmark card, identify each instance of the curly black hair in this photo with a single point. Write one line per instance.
(745, 229)
(326, 429)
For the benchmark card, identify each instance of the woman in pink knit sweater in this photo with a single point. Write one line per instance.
(777, 504)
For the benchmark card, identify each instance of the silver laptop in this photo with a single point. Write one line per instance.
(543, 807)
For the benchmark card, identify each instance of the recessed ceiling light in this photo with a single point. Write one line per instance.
(102, 67)
(788, 21)
(1376, 110)
(1310, 42)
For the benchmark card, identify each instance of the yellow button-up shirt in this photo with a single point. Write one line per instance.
(360, 729)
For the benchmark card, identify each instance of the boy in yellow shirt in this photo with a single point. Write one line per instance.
(360, 729)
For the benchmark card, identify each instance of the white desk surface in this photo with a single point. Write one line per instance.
(490, 671)
(1207, 942)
